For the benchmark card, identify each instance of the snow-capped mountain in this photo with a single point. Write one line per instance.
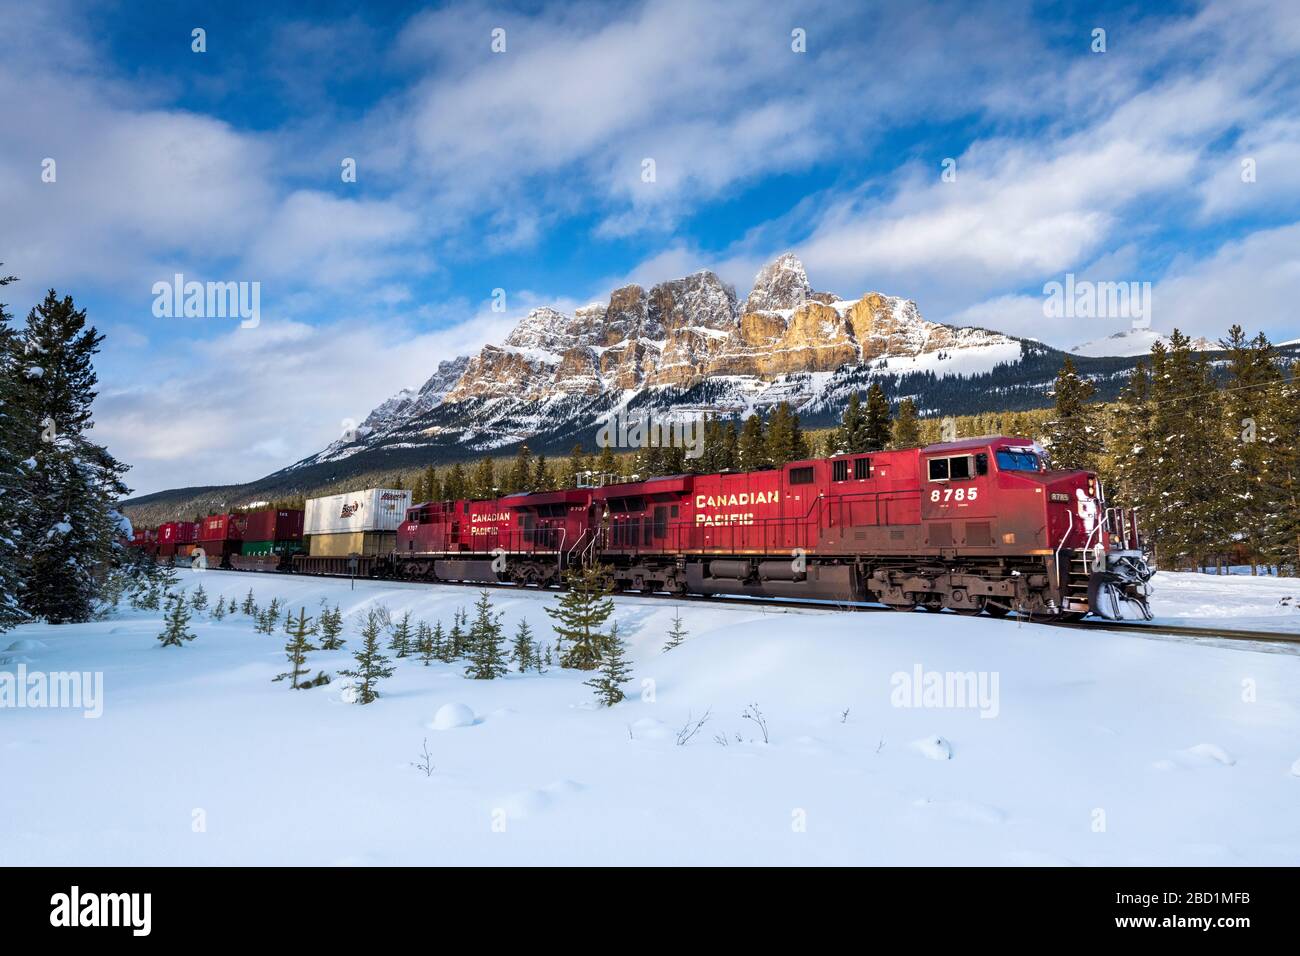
(1132, 342)
(680, 347)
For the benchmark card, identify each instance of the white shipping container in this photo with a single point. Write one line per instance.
(376, 509)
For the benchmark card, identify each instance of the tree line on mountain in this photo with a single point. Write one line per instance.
(62, 541)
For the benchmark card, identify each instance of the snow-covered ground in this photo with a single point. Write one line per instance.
(1080, 747)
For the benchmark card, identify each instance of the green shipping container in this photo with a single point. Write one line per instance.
(254, 548)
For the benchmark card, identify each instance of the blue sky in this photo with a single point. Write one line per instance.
(521, 170)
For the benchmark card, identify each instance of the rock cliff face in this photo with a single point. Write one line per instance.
(688, 342)
(686, 330)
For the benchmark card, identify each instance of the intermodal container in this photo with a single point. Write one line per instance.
(174, 533)
(356, 542)
(273, 524)
(221, 528)
(376, 509)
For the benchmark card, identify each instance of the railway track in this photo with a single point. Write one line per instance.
(1131, 627)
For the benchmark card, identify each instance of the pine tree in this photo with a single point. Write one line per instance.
(575, 471)
(581, 613)
(331, 629)
(784, 439)
(456, 485)
(1255, 442)
(850, 437)
(614, 671)
(522, 652)
(442, 645)
(876, 423)
(18, 435)
(219, 611)
(752, 450)
(265, 622)
(907, 426)
(199, 599)
(176, 622)
(1187, 512)
(543, 480)
(484, 482)
(677, 633)
(485, 637)
(273, 614)
(250, 604)
(459, 640)
(521, 472)
(1074, 434)
(424, 643)
(541, 657)
(606, 466)
(372, 666)
(297, 647)
(69, 526)
(400, 643)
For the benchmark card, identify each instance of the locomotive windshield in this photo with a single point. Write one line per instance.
(1017, 460)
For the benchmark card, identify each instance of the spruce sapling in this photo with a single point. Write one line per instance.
(614, 670)
(677, 633)
(176, 622)
(372, 665)
(199, 600)
(581, 613)
(424, 643)
(331, 629)
(485, 637)
(522, 652)
(297, 647)
(250, 604)
(400, 644)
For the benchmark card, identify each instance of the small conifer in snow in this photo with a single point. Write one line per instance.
(442, 644)
(424, 643)
(199, 599)
(614, 670)
(296, 648)
(265, 622)
(219, 611)
(459, 639)
(400, 644)
(580, 615)
(522, 652)
(677, 633)
(250, 604)
(331, 629)
(176, 622)
(372, 666)
(485, 638)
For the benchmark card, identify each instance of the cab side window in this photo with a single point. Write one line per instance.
(938, 469)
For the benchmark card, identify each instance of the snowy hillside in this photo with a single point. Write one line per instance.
(1085, 748)
(1131, 342)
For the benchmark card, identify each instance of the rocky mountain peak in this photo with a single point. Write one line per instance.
(781, 284)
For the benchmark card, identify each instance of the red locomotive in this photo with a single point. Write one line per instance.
(974, 525)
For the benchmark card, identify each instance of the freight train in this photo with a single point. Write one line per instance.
(981, 525)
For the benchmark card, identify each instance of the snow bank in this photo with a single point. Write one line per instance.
(1091, 748)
